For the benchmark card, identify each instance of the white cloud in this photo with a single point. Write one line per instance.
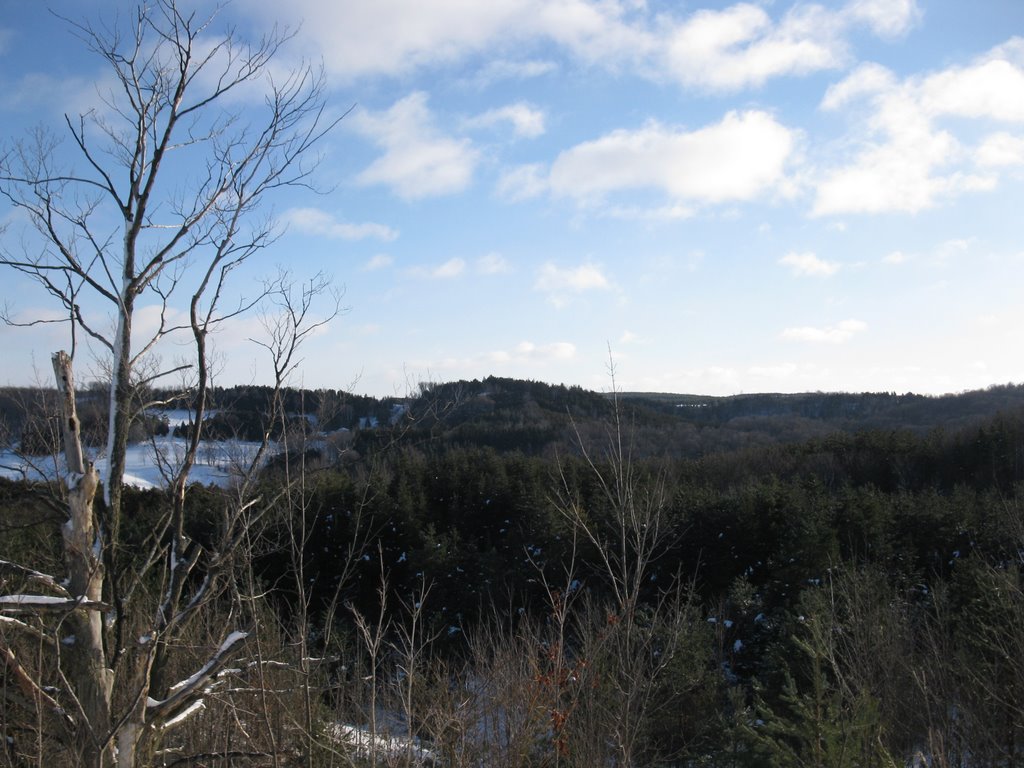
(909, 156)
(313, 221)
(896, 168)
(449, 269)
(395, 37)
(671, 212)
(509, 69)
(803, 264)
(1000, 149)
(391, 37)
(418, 161)
(741, 46)
(866, 80)
(780, 372)
(522, 182)
(956, 248)
(738, 46)
(60, 96)
(526, 120)
(992, 88)
(602, 33)
(834, 334)
(584, 278)
(493, 264)
(151, 319)
(886, 18)
(559, 284)
(380, 261)
(529, 352)
(738, 158)
(525, 353)
(900, 176)
(895, 257)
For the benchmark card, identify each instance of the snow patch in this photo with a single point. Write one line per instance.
(40, 601)
(190, 710)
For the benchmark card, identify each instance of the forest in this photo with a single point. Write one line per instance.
(505, 572)
(484, 573)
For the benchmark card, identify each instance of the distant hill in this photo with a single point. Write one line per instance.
(537, 418)
(867, 410)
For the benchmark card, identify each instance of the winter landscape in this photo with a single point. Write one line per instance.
(526, 383)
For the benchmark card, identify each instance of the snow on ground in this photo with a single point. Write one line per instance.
(381, 745)
(217, 463)
(15, 467)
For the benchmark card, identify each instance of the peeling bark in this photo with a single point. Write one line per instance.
(85, 661)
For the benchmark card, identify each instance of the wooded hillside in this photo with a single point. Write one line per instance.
(507, 572)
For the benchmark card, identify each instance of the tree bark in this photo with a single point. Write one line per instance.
(83, 657)
(120, 413)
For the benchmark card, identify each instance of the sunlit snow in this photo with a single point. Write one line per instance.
(149, 464)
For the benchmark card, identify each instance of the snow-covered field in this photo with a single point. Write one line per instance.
(149, 464)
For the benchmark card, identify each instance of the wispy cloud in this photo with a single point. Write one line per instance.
(526, 120)
(511, 69)
(395, 37)
(313, 221)
(447, 270)
(560, 284)
(737, 46)
(529, 352)
(808, 264)
(493, 264)
(379, 261)
(833, 334)
(523, 182)
(895, 257)
(740, 46)
(451, 268)
(886, 18)
(418, 161)
(70, 95)
(670, 212)
(629, 337)
(1000, 149)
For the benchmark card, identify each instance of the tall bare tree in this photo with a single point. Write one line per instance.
(632, 640)
(157, 209)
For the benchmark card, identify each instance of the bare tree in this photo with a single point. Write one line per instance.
(373, 636)
(631, 640)
(122, 227)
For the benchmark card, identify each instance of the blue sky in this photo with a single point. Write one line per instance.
(731, 197)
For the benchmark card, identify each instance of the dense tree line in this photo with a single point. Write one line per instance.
(843, 596)
(527, 416)
(507, 576)
(850, 600)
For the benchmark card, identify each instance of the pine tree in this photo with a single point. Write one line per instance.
(819, 720)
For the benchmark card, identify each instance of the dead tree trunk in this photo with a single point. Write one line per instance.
(83, 657)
